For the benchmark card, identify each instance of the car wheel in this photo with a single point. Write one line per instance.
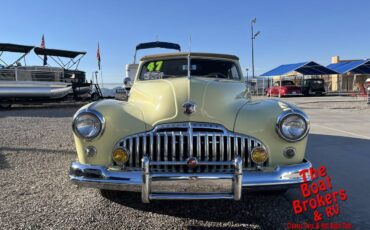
(95, 97)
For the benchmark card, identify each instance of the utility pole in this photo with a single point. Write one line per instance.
(253, 36)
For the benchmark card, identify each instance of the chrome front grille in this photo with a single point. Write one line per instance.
(179, 141)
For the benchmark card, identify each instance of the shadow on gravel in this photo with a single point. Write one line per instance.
(52, 151)
(3, 163)
(52, 112)
(254, 208)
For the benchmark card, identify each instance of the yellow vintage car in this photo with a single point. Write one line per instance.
(189, 130)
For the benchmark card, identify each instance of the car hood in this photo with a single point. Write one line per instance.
(161, 101)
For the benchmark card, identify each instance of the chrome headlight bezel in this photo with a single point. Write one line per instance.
(283, 116)
(93, 113)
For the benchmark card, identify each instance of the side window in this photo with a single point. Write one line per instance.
(234, 73)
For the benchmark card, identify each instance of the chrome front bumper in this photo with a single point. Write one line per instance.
(171, 186)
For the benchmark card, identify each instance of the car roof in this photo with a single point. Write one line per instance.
(186, 54)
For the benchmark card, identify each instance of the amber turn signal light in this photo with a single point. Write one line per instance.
(259, 155)
(120, 156)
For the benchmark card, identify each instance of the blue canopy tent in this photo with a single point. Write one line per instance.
(356, 67)
(303, 68)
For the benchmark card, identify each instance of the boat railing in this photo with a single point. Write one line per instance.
(32, 74)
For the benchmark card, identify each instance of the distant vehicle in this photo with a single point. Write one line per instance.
(21, 83)
(367, 84)
(313, 87)
(287, 88)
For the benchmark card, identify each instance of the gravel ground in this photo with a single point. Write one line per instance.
(36, 148)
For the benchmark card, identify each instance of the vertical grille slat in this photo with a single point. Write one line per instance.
(181, 149)
(214, 151)
(242, 149)
(206, 144)
(228, 148)
(137, 149)
(177, 142)
(222, 148)
(165, 154)
(151, 145)
(158, 153)
(131, 151)
(249, 150)
(173, 140)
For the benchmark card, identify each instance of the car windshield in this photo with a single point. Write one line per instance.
(318, 82)
(287, 83)
(159, 69)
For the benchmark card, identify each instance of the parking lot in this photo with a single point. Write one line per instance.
(36, 147)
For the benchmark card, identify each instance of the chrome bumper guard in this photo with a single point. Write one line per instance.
(148, 178)
(158, 186)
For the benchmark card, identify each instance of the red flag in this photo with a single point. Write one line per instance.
(98, 56)
(43, 46)
(42, 42)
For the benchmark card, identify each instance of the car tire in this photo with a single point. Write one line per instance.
(95, 97)
(108, 194)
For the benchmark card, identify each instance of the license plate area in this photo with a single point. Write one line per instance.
(191, 186)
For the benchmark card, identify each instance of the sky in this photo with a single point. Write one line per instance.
(291, 31)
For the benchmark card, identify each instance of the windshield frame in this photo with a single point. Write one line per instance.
(235, 63)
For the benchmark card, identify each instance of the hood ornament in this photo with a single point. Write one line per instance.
(189, 108)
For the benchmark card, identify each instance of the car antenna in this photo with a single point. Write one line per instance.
(189, 57)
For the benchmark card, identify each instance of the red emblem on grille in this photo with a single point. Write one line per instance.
(192, 162)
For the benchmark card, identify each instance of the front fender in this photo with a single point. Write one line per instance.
(122, 119)
(258, 119)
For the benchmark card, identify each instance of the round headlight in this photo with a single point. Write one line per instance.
(88, 125)
(292, 126)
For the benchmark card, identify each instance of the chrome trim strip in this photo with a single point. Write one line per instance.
(249, 152)
(222, 148)
(158, 158)
(144, 145)
(137, 140)
(190, 140)
(242, 146)
(206, 144)
(151, 145)
(173, 148)
(165, 155)
(181, 148)
(131, 151)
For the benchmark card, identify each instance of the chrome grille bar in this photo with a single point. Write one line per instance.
(207, 142)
